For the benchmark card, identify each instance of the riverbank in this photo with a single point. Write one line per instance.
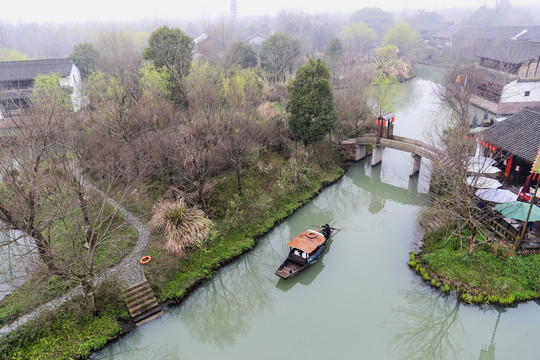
(268, 197)
(492, 274)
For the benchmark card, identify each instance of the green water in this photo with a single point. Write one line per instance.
(359, 301)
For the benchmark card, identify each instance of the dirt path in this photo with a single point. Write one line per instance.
(127, 271)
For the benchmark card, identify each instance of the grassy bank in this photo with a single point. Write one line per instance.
(272, 189)
(68, 332)
(491, 274)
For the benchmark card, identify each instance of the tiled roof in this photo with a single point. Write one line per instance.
(519, 134)
(511, 51)
(433, 26)
(29, 69)
(529, 33)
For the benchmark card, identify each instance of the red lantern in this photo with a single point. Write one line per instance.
(384, 123)
(466, 137)
(393, 118)
(483, 143)
(378, 122)
(494, 148)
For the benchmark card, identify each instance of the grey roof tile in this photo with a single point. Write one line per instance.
(511, 51)
(519, 134)
(29, 69)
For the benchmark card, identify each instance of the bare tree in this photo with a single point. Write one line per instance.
(352, 101)
(456, 91)
(44, 196)
(120, 58)
(197, 158)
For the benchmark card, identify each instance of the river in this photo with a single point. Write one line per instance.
(359, 301)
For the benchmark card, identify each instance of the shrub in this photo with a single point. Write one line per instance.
(180, 225)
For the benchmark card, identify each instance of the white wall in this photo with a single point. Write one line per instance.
(74, 81)
(515, 91)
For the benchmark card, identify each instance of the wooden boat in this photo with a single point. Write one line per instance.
(305, 249)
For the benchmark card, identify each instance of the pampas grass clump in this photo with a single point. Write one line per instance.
(180, 225)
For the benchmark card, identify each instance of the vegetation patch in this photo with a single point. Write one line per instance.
(68, 333)
(491, 274)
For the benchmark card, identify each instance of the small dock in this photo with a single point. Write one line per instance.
(141, 302)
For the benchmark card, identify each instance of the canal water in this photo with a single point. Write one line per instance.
(359, 301)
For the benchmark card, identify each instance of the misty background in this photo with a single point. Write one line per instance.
(20, 40)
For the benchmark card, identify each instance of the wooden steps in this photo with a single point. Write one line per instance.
(431, 224)
(141, 303)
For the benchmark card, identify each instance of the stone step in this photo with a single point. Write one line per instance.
(142, 297)
(149, 318)
(144, 317)
(136, 288)
(141, 302)
(137, 310)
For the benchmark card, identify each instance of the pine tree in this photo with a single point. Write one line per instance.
(234, 9)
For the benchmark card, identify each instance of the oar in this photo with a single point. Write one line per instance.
(333, 228)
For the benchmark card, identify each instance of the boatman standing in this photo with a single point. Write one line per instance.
(326, 231)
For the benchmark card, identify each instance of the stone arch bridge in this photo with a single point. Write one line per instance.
(355, 149)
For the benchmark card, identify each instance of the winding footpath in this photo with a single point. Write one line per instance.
(127, 272)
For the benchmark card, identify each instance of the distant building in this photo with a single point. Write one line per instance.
(207, 46)
(17, 82)
(430, 32)
(512, 79)
(256, 40)
(479, 37)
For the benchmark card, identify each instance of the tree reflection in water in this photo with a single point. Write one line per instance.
(225, 307)
(132, 347)
(428, 328)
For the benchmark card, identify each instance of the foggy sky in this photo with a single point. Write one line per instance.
(62, 11)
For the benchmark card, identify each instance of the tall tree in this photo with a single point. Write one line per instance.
(121, 58)
(172, 49)
(278, 54)
(375, 18)
(241, 132)
(404, 37)
(357, 36)
(333, 55)
(352, 101)
(86, 57)
(382, 93)
(242, 54)
(234, 9)
(27, 182)
(311, 103)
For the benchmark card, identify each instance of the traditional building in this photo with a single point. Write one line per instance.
(256, 40)
(516, 142)
(209, 47)
(512, 80)
(17, 81)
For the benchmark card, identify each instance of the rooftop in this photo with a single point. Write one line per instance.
(511, 51)
(29, 69)
(517, 135)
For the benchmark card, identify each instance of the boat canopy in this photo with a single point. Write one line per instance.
(307, 241)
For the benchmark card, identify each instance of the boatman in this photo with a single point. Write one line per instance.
(326, 231)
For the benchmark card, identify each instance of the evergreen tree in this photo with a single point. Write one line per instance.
(242, 54)
(172, 49)
(234, 9)
(311, 105)
(85, 57)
